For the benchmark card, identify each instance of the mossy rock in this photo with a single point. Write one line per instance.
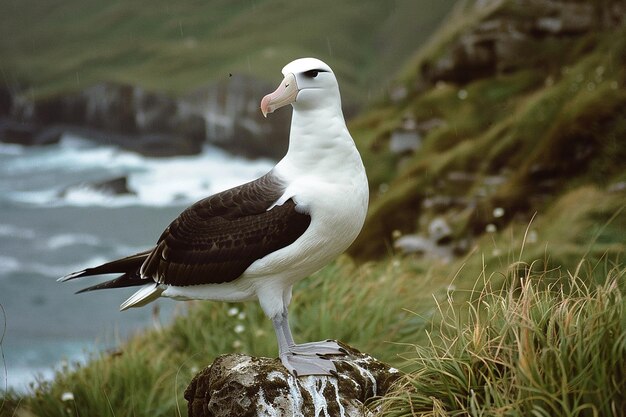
(241, 385)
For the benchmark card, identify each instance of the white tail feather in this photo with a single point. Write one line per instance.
(145, 295)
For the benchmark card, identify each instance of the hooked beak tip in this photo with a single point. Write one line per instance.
(286, 93)
(265, 106)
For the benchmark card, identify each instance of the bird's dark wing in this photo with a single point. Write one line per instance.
(218, 238)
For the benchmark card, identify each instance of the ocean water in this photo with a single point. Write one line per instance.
(53, 223)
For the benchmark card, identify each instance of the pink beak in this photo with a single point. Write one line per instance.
(286, 93)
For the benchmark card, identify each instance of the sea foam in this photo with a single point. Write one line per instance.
(64, 174)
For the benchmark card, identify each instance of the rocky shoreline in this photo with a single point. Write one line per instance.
(151, 123)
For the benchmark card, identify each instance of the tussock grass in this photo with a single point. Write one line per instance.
(530, 348)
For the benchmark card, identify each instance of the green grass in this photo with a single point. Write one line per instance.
(527, 349)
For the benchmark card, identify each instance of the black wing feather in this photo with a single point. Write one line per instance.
(123, 265)
(218, 238)
(213, 241)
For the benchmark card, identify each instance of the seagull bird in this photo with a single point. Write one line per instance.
(255, 241)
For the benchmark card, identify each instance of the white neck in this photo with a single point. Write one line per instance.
(319, 141)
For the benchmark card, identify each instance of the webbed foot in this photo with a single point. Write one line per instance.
(322, 348)
(303, 365)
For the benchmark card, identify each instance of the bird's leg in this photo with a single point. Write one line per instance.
(285, 317)
(286, 329)
(283, 346)
(324, 347)
(296, 364)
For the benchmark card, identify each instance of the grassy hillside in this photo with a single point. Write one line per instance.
(55, 45)
(517, 139)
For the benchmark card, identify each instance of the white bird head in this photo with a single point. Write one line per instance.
(308, 82)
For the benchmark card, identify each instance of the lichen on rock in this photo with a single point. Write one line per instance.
(241, 385)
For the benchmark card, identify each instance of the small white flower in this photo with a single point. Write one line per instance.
(233, 311)
(498, 212)
(241, 315)
(67, 396)
(462, 94)
(237, 344)
(491, 228)
(240, 328)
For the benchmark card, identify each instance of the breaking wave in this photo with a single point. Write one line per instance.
(65, 174)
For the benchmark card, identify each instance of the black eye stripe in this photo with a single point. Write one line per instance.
(313, 73)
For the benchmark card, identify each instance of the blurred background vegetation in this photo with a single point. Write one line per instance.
(179, 45)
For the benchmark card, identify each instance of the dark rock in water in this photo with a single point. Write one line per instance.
(113, 186)
(49, 135)
(156, 145)
(149, 144)
(28, 134)
(240, 385)
(19, 133)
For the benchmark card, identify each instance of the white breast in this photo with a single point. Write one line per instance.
(336, 198)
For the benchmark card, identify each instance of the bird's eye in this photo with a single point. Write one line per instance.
(313, 73)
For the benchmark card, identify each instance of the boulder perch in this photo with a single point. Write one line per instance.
(241, 385)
